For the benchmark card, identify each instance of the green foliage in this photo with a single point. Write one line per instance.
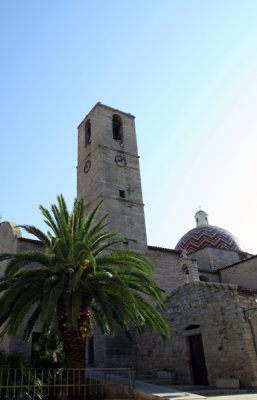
(48, 352)
(78, 278)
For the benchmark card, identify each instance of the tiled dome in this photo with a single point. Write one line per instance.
(205, 235)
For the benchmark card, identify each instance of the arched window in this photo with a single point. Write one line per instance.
(117, 128)
(87, 132)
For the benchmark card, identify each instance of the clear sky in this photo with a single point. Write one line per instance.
(186, 68)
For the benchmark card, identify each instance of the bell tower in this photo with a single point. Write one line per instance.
(108, 170)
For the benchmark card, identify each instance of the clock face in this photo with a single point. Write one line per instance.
(87, 166)
(120, 161)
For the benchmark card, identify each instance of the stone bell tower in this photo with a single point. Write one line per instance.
(108, 170)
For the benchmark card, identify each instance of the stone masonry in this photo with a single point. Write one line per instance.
(217, 312)
(242, 273)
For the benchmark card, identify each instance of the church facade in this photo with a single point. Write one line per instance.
(209, 279)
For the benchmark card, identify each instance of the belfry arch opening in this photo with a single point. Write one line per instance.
(184, 269)
(88, 132)
(117, 128)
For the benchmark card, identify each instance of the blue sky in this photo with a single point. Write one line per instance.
(186, 68)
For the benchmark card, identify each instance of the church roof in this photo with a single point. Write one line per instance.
(248, 258)
(205, 235)
(163, 249)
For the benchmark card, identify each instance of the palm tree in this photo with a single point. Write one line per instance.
(78, 279)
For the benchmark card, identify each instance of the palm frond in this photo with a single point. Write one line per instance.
(31, 322)
(23, 260)
(78, 278)
(91, 217)
(37, 233)
(49, 221)
(73, 308)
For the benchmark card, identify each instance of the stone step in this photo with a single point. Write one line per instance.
(211, 392)
(205, 391)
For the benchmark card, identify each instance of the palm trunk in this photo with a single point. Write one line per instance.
(74, 342)
(74, 348)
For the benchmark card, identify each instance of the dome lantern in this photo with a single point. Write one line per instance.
(201, 218)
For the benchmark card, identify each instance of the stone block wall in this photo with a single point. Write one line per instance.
(210, 259)
(166, 272)
(121, 351)
(11, 241)
(107, 178)
(115, 352)
(217, 313)
(244, 274)
(209, 276)
(9, 234)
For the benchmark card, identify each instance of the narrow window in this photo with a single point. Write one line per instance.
(204, 278)
(192, 326)
(122, 194)
(117, 127)
(87, 132)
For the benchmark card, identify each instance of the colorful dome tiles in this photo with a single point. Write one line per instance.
(205, 236)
